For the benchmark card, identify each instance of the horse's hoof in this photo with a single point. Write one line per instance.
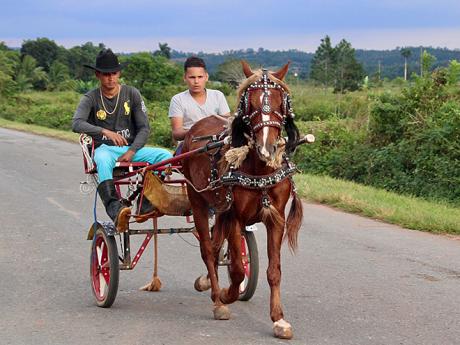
(154, 285)
(282, 329)
(221, 313)
(202, 283)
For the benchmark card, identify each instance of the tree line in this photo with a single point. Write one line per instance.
(390, 63)
(41, 64)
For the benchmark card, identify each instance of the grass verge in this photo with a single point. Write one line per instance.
(409, 212)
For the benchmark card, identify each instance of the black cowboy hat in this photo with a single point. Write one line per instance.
(107, 62)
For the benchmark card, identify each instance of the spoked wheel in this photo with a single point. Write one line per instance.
(104, 268)
(250, 258)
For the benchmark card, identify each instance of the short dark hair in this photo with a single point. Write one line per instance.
(194, 61)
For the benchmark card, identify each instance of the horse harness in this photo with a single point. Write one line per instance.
(265, 84)
(234, 177)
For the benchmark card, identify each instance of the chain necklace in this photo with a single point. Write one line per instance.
(116, 104)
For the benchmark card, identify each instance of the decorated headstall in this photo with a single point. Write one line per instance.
(265, 84)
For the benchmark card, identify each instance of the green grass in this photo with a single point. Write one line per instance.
(409, 212)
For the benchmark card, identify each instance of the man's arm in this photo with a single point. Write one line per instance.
(139, 114)
(176, 115)
(177, 126)
(80, 122)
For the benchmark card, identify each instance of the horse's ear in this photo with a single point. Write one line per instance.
(282, 72)
(246, 69)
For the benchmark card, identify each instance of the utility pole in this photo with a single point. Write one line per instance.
(380, 70)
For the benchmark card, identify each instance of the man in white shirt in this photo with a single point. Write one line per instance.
(197, 102)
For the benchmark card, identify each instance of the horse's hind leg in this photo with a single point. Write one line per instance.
(231, 294)
(281, 328)
(200, 215)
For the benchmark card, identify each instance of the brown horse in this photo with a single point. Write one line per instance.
(253, 187)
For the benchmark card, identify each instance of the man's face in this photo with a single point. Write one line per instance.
(108, 81)
(196, 78)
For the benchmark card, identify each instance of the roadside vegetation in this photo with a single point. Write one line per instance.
(385, 149)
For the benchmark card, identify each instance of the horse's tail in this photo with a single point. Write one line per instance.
(293, 222)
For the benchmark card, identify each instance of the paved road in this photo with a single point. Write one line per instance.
(353, 281)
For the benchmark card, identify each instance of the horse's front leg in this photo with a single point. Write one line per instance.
(200, 215)
(281, 328)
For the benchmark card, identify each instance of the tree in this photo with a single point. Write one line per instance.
(3, 46)
(453, 72)
(43, 50)
(58, 76)
(406, 53)
(8, 62)
(28, 74)
(349, 73)
(79, 55)
(164, 51)
(427, 62)
(151, 74)
(322, 64)
(230, 72)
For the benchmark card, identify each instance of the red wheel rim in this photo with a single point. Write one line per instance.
(100, 269)
(245, 258)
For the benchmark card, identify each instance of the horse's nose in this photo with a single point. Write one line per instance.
(267, 151)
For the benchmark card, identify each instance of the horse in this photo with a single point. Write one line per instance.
(246, 182)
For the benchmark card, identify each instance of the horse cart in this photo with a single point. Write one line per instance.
(243, 171)
(168, 186)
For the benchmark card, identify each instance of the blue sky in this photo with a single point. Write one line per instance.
(214, 26)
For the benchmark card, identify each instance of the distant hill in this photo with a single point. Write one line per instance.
(391, 61)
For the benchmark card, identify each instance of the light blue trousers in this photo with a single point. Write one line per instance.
(106, 157)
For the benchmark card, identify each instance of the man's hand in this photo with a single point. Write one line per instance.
(127, 157)
(117, 139)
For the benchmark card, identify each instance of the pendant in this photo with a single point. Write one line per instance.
(101, 115)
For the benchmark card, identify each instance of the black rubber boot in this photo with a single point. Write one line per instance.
(114, 208)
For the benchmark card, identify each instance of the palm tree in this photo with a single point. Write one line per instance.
(28, 73)
(406, 53)
(165, 50)
(58, 75)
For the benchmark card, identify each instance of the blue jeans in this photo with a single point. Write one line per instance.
(106, 157)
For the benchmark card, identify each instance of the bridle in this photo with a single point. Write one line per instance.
(265, 84)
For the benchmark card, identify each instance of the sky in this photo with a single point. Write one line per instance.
(216, 26)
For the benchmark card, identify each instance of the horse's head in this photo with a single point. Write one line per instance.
(264, 110)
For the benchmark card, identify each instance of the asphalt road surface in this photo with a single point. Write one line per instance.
(353, 280)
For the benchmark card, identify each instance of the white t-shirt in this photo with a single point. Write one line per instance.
(184, 105)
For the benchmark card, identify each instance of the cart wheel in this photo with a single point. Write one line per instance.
(104, 268)
(250, 258)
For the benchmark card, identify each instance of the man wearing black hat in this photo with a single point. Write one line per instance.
(115, 116)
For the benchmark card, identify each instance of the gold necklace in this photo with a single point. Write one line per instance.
(116, 104)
